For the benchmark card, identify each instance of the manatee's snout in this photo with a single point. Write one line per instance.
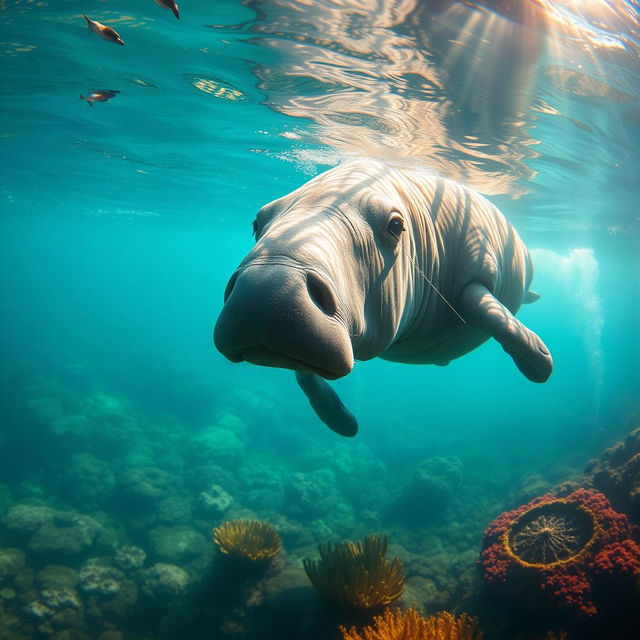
(283, 316)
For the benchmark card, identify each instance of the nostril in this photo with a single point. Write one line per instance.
(230, 285)
(321, 294)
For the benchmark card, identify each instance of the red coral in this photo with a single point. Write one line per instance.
(563, 549)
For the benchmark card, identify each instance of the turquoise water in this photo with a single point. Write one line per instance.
(122, 222)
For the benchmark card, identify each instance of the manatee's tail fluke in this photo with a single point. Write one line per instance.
(530, 296)
(327, 404)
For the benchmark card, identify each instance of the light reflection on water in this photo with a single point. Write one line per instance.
(453, 84)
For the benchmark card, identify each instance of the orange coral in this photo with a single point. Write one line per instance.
(249, 539)
(411, 625)
(356, 575)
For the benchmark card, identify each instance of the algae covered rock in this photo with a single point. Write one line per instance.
(57, 577)
(164, 581)
(215, 501)
(11, 563)
(176, 544)
(24, 519)
(86, 481)
(99, 579)
(218, 444)
(130, 558)
(434, 484)
(311, 495)
(65, 534)
(145, 486)
(56, 609)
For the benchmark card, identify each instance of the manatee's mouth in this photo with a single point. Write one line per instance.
(268, 358)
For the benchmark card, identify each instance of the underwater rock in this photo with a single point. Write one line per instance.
(431, 490)
(617, 475)
(55, 576)
(99, 579)
(293, 533)
(24, 519)
(311, 495)
(573, 557)
(219, 445)
(176, 544)
(130, 558)
(215, 501)
(65, 534)
(164, 582)
(113, 422)
(109, 594)
(145, 486)
(86, 481)
(12, 561)
(56, 609)
(172, 510)
(261, 485)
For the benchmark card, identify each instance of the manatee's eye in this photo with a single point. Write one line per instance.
(395, 226)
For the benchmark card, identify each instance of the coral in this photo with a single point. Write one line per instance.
(11, 563)
(24, 519)
(99, 579)
(573, 554)
(57, 577)
(249, 539)
(433, 486)
(130, 558)
(219, 445)
(176, 544)
(144, 486)
(311, 495)
(164, 581)
(86, 481)
(411, 625)
(356, 575)
(66, 534)
(215, 500)
(617, 475)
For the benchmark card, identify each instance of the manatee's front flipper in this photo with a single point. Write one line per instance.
(327, 404)
(481, 310)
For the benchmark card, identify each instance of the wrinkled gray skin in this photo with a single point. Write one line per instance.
(339, 272)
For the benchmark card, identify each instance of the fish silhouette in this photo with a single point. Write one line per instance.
(103, 95)
(103, 31)
(171, 5)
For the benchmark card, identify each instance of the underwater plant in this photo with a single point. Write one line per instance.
(356, 575)
(574, 554)
(411, 625)
(252, 540)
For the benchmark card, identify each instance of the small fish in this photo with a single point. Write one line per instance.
(100, 96)
(103, 31)
(171, 5)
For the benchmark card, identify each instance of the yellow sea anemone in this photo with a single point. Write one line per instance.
(250, 539)
(356, 575)
(411, 625)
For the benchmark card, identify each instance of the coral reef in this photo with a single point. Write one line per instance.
(248, 539)
(574, 555)
(434, 484)
(164, 581)
(356, 575)
(411, 625)
(617, 474)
